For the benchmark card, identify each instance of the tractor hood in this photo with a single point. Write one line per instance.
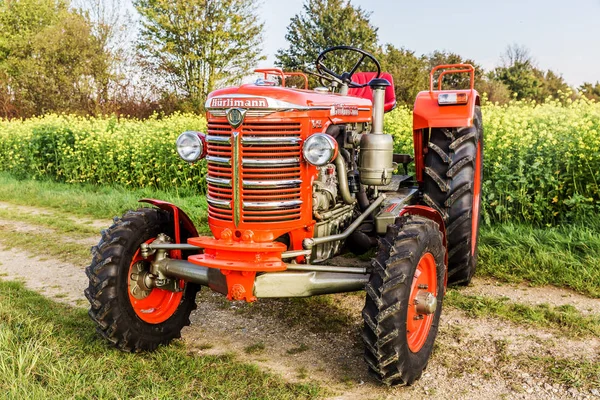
(276, 98)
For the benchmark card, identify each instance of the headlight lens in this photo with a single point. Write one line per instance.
(190, 146)
(319, 149)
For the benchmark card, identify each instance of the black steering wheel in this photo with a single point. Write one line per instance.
(346, 77)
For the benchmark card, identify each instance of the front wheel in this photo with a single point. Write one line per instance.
(128, 314)
(404, 300)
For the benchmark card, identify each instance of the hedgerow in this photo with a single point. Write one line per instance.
(542, 161)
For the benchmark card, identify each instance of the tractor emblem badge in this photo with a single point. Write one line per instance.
(235, 116)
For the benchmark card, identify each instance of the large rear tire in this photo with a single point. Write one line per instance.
(139, 322)
(452, 186)
(408, 274)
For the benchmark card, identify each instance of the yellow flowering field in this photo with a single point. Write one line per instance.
(127, 152)
(542, 162)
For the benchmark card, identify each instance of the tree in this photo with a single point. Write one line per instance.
(453, 81)
(408, 70)
(553, 85)
(323, 24)
(590, 90)
(494, 90)
(518, 73)
(195, 45)
(49, 59)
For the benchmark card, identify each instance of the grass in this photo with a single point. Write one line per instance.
(46, 245)
(565, 319)
(255, 348)
(51, 351)
(56, 220)
(566, 256)
(571, 372)
(297, 350)
(93, 201)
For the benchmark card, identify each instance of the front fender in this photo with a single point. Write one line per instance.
(433, 215)
(180, 218)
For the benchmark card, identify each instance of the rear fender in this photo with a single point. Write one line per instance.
(433, 215)
(180, 218)
(429, 114)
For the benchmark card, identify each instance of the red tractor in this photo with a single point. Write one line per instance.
(295, 178)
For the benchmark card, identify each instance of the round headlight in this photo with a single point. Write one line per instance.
(190, 146)
(319, 149)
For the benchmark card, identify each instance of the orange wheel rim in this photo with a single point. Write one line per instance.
(476, 200)
(418, 323)
(159, 305)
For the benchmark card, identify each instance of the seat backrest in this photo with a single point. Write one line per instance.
(367, 93)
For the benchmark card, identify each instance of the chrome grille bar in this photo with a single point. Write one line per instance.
(271, 205)
(271, 140)
(218, 139)
(271, 184)
(218, 160)
(218, 181)
(269, 162)
(218, 203)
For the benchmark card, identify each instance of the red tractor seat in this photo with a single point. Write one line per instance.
(367, 93)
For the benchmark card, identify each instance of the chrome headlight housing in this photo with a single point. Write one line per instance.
(319, 149)
(191, 146)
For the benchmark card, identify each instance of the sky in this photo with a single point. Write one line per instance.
(561, 35)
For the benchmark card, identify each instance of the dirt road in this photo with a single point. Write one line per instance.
(319, 339)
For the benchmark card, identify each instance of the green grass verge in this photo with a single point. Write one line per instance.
(94, 201)
(58, 220)
(565, 319)
(51, 351)
(45, 245)
(571, 372)
(566, 256)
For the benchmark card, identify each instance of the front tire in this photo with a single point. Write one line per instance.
(452, 186)
(152, 318)
(398, 332)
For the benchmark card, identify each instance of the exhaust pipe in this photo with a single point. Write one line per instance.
(309, 281)
(305, 284)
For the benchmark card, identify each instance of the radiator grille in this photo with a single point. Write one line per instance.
(268, 174)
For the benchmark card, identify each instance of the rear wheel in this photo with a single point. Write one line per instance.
(127, 313)
(452, 186)
(404, 300)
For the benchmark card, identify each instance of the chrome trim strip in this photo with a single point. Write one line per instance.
(218, 160)
(218, 203)
(221, 113)
(271, 184)
(273, 105)
(218, 139)
(218, 181)
(253, 162)
(271, 205)
(271, 140)
(235, 135)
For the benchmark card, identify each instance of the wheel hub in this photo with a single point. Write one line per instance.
(425, 302)
(422, 303)
(140, 281)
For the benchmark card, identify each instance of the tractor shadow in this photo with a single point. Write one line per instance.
(307, 338)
